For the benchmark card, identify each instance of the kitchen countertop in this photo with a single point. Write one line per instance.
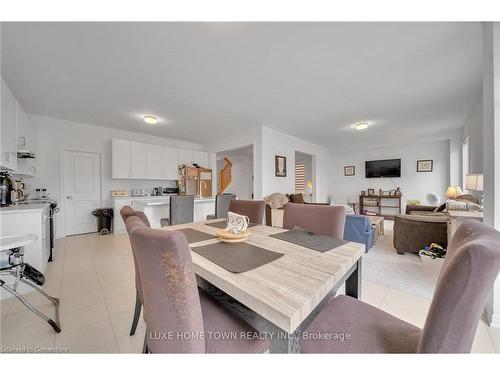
(24, 208)
(160, 197)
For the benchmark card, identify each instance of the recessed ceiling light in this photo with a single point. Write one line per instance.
(150, 120)
(361, 125)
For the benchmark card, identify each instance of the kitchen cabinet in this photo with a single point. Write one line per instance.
(26, 132)
(8, 144)
(138, 160)
(26, 167)
(170, 163)
(154, 162)
(185, 156)
(120, 158)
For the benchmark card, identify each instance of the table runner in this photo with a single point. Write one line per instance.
(236, 257)
(318, 242)
(193, 235)
(223, 224)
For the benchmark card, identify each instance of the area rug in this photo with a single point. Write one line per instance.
(382, 265)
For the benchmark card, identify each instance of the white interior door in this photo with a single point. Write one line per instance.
(81, 190)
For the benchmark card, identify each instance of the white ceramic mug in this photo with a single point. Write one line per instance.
(237, 223)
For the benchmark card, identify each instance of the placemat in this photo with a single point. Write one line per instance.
(318, 242)
(236, 257)
(223, 224)
(194, 235)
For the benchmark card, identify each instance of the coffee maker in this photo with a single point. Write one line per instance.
(6, 188)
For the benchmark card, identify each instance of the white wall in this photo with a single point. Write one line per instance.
(473, 128)
(277, 143)
(491, 145)
(54, 136)
(413, 185)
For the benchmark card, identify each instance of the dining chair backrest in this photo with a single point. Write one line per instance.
(318, 219)
(470, 268)
(254, 209)
(125, 213)
(222, 205)
(174, 321)
(181, 209)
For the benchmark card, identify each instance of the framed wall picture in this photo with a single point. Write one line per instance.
(424, 165)
(349, 170)
(280, 166)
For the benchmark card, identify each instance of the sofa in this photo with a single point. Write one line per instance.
(359, 229)
(423, 225)
(292, 198)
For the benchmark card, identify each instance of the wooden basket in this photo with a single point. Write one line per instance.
(225, 236)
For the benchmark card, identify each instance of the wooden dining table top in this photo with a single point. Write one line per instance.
(286, 290)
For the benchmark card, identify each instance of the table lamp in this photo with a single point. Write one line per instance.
(309, 188)
(454, 192)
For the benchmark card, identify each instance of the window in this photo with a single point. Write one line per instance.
(299, 177)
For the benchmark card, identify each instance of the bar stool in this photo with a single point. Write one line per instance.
(14, 266)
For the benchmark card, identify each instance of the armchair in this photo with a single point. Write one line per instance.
(359, 229)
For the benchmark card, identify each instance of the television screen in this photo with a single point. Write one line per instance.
(383, 168)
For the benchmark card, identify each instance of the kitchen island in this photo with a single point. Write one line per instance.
(157, 208)
(29, 218)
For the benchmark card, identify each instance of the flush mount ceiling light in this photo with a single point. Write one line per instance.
(361, 125)
(151, 120)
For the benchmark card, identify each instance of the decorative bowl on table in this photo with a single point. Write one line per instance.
(226, 236)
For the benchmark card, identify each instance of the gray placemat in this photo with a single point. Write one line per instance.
(236, 257)
(194, 235)
(223, 224)
(318, 242)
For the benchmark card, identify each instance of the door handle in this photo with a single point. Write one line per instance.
(69, 197)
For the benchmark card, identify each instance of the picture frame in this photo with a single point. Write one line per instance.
(392, 192)
(280, 166)
(386, 192)
(349, 170)
(371, 191)
(363, 193)
(425, 165)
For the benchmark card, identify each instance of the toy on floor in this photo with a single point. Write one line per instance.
(434, 251)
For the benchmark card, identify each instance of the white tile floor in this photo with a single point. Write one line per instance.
(94, 278)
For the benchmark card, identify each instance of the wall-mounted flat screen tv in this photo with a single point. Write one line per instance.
(383, 168)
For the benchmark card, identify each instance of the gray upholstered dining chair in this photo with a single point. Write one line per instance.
(181, 210)
(469, 271)
(125, 213)
(254, 209)
(174, 305)
(318, 219)
(222, 205)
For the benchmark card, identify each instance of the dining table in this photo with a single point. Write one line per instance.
(280, 298)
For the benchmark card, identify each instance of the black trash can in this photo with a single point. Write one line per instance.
(104, 219)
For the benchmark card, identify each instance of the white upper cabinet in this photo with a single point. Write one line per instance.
(200, 158)
(138, 160)
(193, 156)
(170, 163)
(26, 134)
(154, 162)
(8, 145)
(120, 158)
(185, 156)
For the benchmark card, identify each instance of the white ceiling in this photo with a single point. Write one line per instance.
(204, 80)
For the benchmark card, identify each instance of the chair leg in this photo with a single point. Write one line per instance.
(145, 349)
(137, 314)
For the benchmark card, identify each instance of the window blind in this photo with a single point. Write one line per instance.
(299, 178)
